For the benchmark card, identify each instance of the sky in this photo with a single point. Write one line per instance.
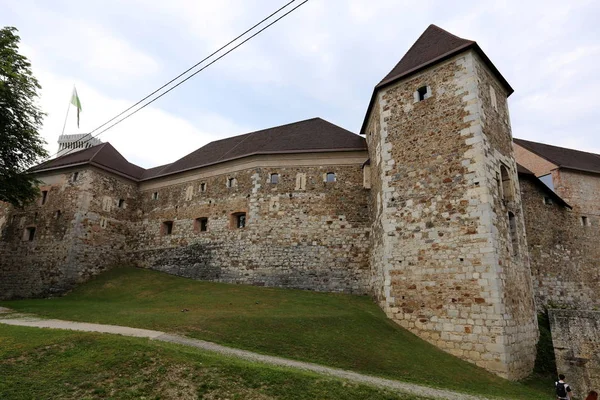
(322, 60)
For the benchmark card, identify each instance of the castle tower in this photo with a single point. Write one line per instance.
(449, 257)
(75, 142)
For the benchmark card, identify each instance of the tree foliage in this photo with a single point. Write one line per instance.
(20, 121)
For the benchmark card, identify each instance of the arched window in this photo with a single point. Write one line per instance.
(506, 184)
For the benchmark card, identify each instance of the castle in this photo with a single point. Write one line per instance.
(427, 211)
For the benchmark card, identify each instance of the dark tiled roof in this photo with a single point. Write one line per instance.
(103, 155)
(524, 173)
(565, 158)
(312, 135)
(433, 46)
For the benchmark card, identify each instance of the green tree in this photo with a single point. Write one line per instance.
(20, 121)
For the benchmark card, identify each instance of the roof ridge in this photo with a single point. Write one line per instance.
(557, 147)
(101, 146)
(450, 33)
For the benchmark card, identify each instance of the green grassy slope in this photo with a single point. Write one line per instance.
(52, 364)
(337, 330)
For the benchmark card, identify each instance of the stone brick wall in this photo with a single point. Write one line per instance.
(581, 190)
(576, 340)
(301, 232)
(79, 231)
(563, 253)
(447, 266)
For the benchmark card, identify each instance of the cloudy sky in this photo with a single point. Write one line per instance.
(322, 60)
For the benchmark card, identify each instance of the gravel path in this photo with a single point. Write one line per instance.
(6, 317)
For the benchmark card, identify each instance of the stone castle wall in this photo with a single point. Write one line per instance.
(301, 232)
(581, 190)
(577, 347)
(79, 231)
(563, 254)
(440, 237)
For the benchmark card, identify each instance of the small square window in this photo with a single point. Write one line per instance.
(155, 196)
(44, 196)
(422, 93)
(121, 203)
(29, 234)
(548, 201)
(166, 228)
(274, 178)
(585, 221)
(74, 177)
(239, 220)
(201, 224)
(203, 187)
(231, 182)
(330, 177)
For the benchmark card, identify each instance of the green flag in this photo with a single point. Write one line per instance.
(75, 101)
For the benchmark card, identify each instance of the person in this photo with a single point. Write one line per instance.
(563, 390)
(593, 395)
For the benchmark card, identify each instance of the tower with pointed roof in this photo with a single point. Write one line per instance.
(448, 254)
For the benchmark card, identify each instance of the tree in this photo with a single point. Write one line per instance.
(20, 121)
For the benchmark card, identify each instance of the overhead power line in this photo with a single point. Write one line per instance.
(188, 70)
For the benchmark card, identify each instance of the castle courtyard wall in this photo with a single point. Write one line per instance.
(301, 232)
(564, 256)
(450, 271)
(79, 232)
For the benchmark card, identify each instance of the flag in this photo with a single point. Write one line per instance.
(75, 101)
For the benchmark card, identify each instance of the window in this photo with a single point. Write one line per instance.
(330, 177)
(274, 178)
(203, 187)
(107, 203)
(103, 223)
(74, 177)
(512, 230)
(121, 203)
(239, 220)
(166, 228)
(507, 192)
(189, 192)
(29, 234)
(493, 97)
(548, 201)
(422, 93)
(585, 221)
(300, 181)
(57, 214)
(155, 196)
(231, 182)
(44, 196)
(201, 224)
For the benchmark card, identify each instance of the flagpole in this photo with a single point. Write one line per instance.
(66, 116)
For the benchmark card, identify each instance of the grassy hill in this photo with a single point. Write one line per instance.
(54, 364)
(337, 330)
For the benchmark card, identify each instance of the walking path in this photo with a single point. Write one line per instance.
(9, 318)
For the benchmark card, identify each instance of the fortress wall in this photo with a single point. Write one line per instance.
(576, 340)
(447, 264)
(79, 231)
(301, 232)
(563, 254)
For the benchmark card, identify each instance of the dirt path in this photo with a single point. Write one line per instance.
(9, 318)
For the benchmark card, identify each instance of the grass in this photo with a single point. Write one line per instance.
(52, 364)
(343, 331)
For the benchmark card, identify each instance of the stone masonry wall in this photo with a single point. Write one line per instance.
(440, 239)
(301, 232)
(79, 231)
(564, 256)
(576, 340)
(581, 190)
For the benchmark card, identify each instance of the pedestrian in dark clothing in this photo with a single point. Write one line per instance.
(563, 390)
